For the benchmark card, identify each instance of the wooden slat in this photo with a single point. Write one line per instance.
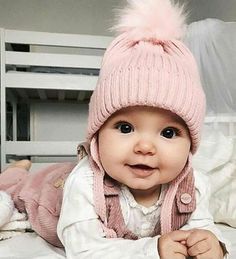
(57, 39)
(58, 60)
(3, 98)
(41, 148)
(50, 81)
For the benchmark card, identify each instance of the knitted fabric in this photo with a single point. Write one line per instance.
(182, 181)
(148, 64)
(148, 74)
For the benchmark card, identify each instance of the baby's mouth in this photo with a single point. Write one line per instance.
(141, 170)
(142, 167)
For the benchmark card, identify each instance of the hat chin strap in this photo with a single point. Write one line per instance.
(166, 209)
(98, 173)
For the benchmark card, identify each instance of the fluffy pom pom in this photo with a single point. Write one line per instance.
(152, 20)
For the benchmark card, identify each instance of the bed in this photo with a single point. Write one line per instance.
(38, 69)
(69, 70)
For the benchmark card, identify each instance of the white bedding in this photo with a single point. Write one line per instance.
(230, 234)
(31, 246)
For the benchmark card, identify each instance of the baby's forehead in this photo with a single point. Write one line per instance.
(133, 111)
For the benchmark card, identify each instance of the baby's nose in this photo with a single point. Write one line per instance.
(144, 146)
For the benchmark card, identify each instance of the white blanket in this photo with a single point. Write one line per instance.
(31, 246)
(12, 222)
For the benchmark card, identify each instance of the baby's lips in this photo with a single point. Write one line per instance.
(142, 166)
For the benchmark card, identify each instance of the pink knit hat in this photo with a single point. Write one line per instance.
(147, 64)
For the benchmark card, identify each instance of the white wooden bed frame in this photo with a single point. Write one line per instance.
(23, 81)
(43, 81)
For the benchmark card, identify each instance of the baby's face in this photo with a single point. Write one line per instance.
(143, 147)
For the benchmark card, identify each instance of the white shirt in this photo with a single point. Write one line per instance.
(80, 231)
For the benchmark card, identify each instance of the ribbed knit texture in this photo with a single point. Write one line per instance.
(159, 75)
(38, 195)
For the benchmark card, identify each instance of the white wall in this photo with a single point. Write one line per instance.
(58, 121)
(220, 9)
(90, 16)
(68, 16)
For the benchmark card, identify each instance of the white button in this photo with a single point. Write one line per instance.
(185, 198)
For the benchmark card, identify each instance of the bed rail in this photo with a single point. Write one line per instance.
(23, 72)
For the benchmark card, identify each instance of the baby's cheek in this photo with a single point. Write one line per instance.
(178, 163)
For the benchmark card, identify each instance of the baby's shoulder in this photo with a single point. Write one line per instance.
(81, 175)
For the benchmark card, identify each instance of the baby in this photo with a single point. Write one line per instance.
(134, 194)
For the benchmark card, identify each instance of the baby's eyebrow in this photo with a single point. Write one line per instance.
(121, 117)
(178, 120)
(121, 121)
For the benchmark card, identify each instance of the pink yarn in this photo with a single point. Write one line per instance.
(152, 19)
(99, 198)
(160, 75)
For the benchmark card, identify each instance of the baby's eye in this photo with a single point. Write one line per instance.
(170, 132)
(124, 127)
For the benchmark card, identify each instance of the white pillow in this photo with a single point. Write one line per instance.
(216, 158)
